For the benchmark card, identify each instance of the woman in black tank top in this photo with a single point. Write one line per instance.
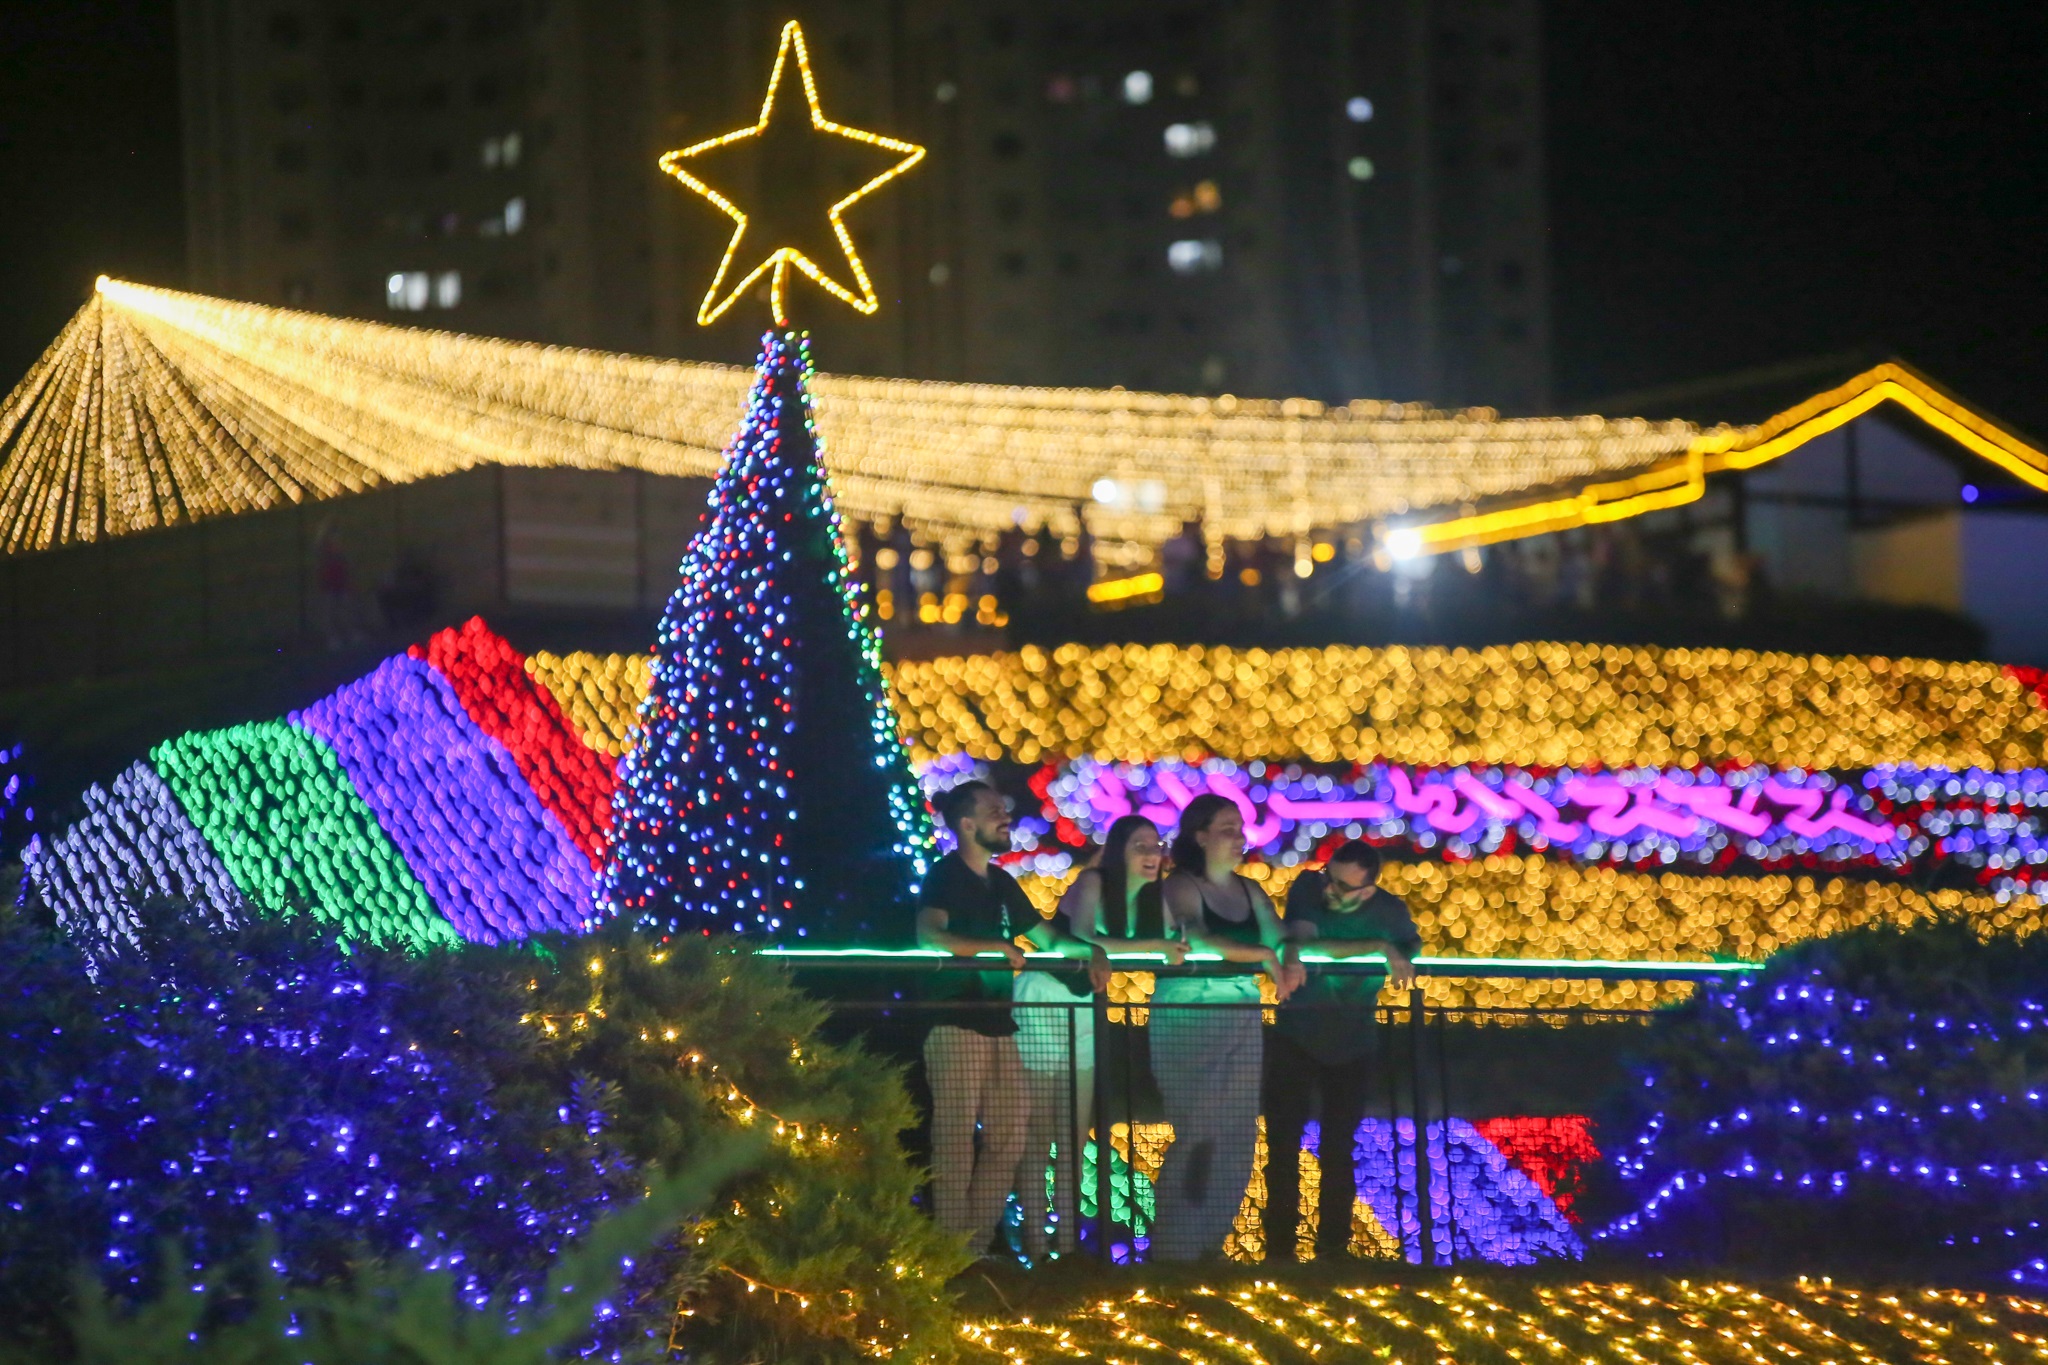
(1207, 1039)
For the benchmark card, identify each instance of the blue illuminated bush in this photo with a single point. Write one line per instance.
(1873, 1100)
(224, 1088)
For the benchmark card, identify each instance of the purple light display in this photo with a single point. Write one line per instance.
(135, 843)
(1481, 1207)
(493, 859)
(1627, 815)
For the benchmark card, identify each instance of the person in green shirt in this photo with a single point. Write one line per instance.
(1319, 1061)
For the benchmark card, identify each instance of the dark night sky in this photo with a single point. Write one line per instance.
(1731, 185)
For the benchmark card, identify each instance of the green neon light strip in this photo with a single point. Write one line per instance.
(1428, 966)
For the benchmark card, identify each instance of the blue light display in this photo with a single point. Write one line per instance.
(1813, 1085)
(219, 1088)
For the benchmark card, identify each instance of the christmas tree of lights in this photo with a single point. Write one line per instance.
(766, 788)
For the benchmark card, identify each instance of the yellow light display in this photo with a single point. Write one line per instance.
(1680, 481)
(1541, 704)
(600, 693)
(1529, 704)
(779, 257)
(1134, 588)
(156, 408)
(1521, 1319)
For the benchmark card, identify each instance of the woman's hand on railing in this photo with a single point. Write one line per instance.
(1286, 973)
(1174, 951)
(1099, 970)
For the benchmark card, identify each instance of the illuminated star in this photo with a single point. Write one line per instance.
(778, 256)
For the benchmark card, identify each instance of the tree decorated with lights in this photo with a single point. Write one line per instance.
(767, 788)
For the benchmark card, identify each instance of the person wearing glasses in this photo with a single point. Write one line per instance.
(1319, 1059)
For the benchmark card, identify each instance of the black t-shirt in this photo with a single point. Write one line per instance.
(977, 907)
(1334, 1021)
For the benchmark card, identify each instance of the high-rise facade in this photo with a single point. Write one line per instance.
(1330, 198)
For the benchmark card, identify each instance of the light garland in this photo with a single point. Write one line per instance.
(1819, 1089)
(1472, 1317)
(154, 408)
(275, 805)
(452, 799)
(599, 693)
(1526, 705)
(1684, 480)
(779, 257)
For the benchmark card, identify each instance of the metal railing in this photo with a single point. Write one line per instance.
(1464, 1131)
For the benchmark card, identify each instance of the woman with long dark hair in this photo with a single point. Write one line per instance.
(1207, 1044)
(1114, 904)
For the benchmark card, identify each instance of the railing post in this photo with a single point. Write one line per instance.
(1105, 1215)
(1425, 1219)
(1070, 1141)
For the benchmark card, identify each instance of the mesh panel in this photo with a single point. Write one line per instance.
(1459, 1134)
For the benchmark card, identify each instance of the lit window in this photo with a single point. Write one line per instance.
(1358, 109)
(406, 290)
(1190, 256)
(1360, 168)
(1203, 198)
(1138, 87)
(448, 289)
(501, 152)
(1189, 139)
(515, 215)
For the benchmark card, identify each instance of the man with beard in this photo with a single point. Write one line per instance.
(971, 906)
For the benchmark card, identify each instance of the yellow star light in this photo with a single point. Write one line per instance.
(781, 256)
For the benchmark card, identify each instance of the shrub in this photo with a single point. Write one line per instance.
(1873, 1100)
(820, 1254)
(223, 1090)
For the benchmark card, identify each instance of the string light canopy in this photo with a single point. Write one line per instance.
(155, 408)
(778, 255)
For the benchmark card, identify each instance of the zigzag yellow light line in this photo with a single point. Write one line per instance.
(1676, 483)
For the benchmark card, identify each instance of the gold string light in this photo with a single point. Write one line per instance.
(1529, 704)
(156, 408)
(1677, 482)
(1527, 1321)
(779, 257)
(1526, 704)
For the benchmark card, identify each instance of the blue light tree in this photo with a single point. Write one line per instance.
(767, 789)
